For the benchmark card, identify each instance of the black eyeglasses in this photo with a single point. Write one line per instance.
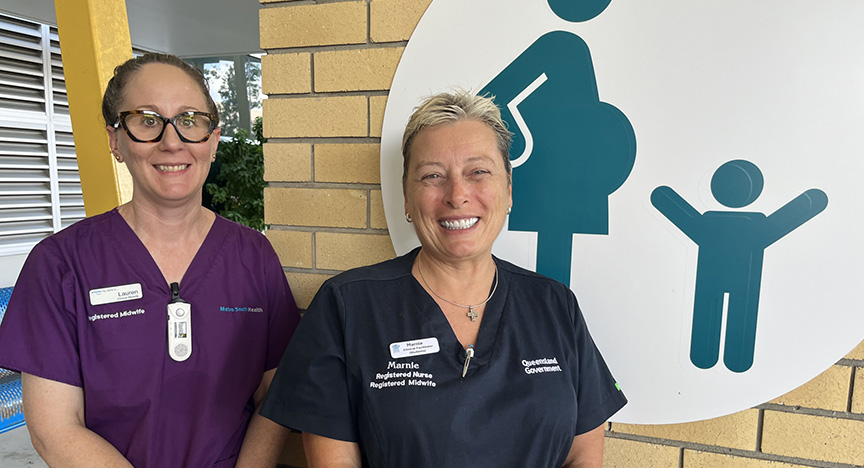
(146, 126)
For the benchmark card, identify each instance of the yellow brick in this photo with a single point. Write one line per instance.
(339, 251)
(304, 286)
(292, 451)
(734, 431)
(287, 162)
(829, 390)
(858, 397)
(337, 116)
(857, 353)
(395, 20)
(377, 104)
(377, 220)
(286, 73)
(356, 70)
(358, 163)
(813, 437)
(622, 453)
(313, 25)
(694, 459)
(315, 207)
(293, 247)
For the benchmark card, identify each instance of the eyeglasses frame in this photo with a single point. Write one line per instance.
(121, 122)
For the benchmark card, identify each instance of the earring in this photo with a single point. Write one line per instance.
(408, 217)
(116, 156)
(508, 209)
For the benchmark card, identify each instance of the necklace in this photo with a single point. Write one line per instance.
(471, 314)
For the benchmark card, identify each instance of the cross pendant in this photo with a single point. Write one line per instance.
(471, 314)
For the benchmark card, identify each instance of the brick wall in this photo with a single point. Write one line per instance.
(820, 424)
(327, 71)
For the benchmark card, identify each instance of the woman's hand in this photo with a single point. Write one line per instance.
(587, 450)
(54, 412)
(323, 452)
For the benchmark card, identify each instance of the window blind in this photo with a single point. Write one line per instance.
(40, 190)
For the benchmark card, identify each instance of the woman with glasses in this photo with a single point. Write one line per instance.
(148, 335)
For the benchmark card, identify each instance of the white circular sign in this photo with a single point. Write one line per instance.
(744, 184)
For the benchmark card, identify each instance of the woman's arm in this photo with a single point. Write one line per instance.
(264, 438)
(54, 412)
(587, 450)
(323, 452)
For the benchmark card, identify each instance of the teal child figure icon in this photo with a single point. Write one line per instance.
(570, 151)
(731, 250)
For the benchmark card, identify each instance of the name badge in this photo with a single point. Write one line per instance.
(112, 294)
(414, 348)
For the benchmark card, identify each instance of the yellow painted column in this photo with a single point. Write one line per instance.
(94, 38)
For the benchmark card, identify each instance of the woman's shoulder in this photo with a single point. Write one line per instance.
(239, 233)
(79, 245)
(559, 299)
(93, 227)
(388, 270)
(234, 227)
(522, 275)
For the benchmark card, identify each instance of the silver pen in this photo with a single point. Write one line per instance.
(469, 353)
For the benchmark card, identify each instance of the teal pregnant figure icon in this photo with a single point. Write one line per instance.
(731, 249)
(570, 150)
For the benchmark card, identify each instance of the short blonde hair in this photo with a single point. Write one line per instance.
(452, 107)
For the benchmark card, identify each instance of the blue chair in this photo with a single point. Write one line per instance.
(11, 410)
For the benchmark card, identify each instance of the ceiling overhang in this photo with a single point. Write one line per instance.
(187, 28)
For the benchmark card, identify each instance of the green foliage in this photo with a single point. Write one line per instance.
(238, 193)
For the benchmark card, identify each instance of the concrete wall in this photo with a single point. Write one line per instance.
(327, 73)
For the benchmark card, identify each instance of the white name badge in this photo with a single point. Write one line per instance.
(109, 295)
(414, 348)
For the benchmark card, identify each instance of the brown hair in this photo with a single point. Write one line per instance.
(116, 88)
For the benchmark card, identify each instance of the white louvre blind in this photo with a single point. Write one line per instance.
(40, 190)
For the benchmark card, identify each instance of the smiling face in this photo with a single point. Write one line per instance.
(169, 172)
(457, 190)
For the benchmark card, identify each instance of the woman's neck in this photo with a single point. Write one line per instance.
(172, 236)
(165, 223)
(467, 280)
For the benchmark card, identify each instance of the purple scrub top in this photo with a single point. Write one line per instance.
(89, 310)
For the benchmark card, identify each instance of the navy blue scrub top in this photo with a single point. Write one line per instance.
(536, 380)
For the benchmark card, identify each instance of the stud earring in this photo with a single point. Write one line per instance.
(508, 209)
(408, 217)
